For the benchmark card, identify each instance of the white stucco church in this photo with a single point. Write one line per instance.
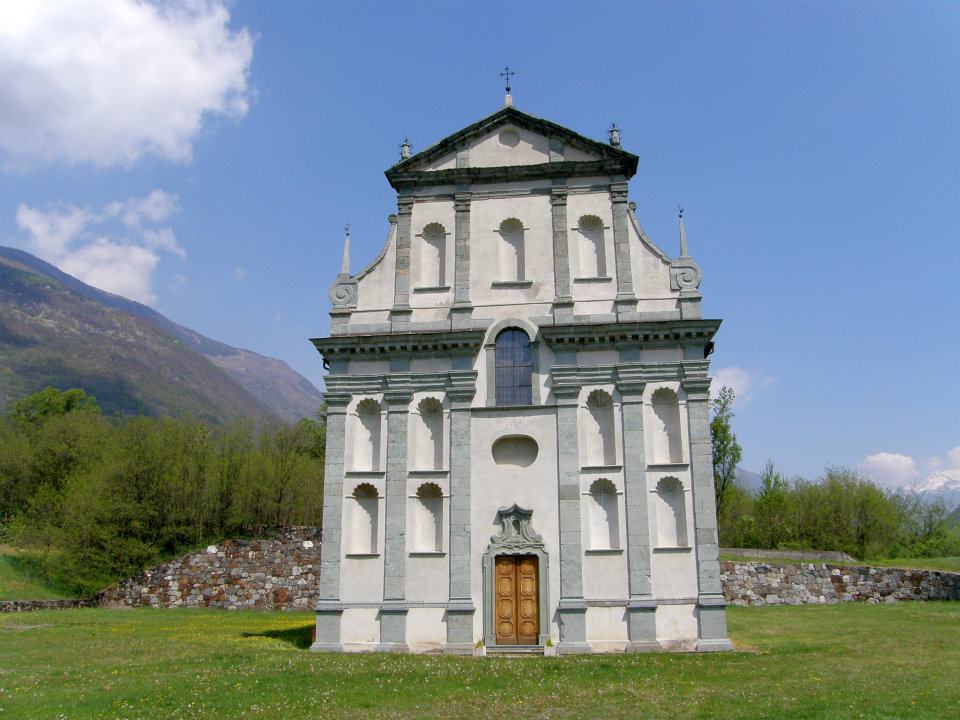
(518, 444)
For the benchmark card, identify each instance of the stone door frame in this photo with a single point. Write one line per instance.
(516, 538)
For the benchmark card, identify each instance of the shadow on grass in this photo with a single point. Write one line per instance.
(299, 637)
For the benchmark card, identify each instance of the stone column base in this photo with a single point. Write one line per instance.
(326, 647)
(643, 646)
(458, 649)
(714, 645)
(573, 648)
(392, 647)
(573, 627)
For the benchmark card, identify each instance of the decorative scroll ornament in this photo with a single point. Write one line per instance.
(517, 531)
(684, 274)
(343, 292)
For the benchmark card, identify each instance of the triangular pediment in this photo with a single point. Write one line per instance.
(510, 138)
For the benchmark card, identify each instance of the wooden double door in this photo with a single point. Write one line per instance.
(517, 600)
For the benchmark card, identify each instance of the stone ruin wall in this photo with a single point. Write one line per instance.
(282, 573)
(761, 583)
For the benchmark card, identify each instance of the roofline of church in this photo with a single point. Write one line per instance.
(615, 161)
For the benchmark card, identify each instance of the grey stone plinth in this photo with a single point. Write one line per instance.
(572, 614)
(460, 624)
(714, 645)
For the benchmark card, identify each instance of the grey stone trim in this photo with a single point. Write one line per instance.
(394, 560)
(328, 628)
(408, 172)
(621, 241)
(510, 173)
(644, 238)
(712, 613)
(391, 234)
(561, 249)
(615, 335)
(383, 345)
(641, 624)
(461, 257)
(533, 332)
(511, 284)
(516, 537)
(401, 288)
(460, 609)
(572, 608)
(333, 500)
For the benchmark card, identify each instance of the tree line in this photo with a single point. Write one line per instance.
(842, 510)
(103, 498)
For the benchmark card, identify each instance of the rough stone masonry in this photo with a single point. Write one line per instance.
(283, 573)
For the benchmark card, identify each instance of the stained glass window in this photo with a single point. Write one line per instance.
(514, 368)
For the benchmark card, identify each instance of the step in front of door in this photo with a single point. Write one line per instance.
(515, 650)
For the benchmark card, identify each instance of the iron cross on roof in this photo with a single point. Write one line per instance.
(506, 75)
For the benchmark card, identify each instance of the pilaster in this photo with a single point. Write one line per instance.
(572, 608)
(393, 614)
(400, 313)
(711, 607)
(460, 609)
(563, 302)
(626, 301)
(328, 605)
(641, 608)
(462, 309)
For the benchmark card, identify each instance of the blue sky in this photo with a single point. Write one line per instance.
(814, 146)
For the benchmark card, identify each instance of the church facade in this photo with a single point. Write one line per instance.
(518, 442)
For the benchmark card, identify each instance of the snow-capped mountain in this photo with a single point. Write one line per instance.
(944, 484)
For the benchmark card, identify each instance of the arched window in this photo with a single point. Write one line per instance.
(600, 431)
(433, 255)
(671, 513)
(592, 250)
(428, 519)
(364, 520)
(514, 368)
(366, 442)
(512, 257)
(604, 519)
(666, 438)
(428, 442)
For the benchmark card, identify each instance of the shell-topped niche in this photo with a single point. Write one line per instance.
(515, 451)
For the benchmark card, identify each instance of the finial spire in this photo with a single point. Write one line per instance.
(683, 233)
(405, 149)
(506, 75)
(345, 267)
(614, 133)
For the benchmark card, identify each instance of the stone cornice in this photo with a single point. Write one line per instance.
(409, 179)
(583, 336)
(371, 347)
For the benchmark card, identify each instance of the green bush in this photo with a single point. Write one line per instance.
(104, 499)
(843, 510)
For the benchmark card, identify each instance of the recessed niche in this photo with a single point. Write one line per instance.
(509, 137)
(515, 451)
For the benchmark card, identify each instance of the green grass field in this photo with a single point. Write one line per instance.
(19, 582)
(838, 661)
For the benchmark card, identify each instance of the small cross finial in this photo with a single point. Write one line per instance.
(679, 210)
(506, 75)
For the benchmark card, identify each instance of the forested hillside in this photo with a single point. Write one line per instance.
(56, 330)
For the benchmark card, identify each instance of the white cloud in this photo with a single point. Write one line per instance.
(110, 81)
(891, 469)
(239, 273)
(116, 250)
(157, 206)
(898, 470)
(744, 383)
(177, 282)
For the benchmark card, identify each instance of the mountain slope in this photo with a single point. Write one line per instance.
(272, 382)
